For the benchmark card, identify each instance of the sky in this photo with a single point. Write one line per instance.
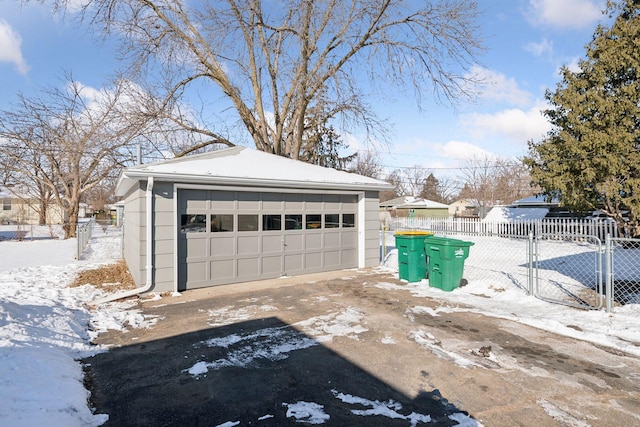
(527, 42)
(46, 326)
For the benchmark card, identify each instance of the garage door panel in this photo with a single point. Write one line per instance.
(313, 260)
(272, 201)
(293, 242)
(196, 271)
(332, 240)
(332, 203)
(331, 258)
(349, 238)
(248, 267)
(293, 202)
(293, 263)
(223, 246)
(271, 243)
(248, 245)
(197, 248)
(198, 199)
(272, 264)
(222, 269)
(223, 200)
(313, 241)
(349, 256)
(248, 201)
(351, 200)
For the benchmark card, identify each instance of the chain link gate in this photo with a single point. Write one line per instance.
(623, 272)
(567, 269)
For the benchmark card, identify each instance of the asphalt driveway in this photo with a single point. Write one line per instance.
(338, 349)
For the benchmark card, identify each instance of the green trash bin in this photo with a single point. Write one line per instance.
(412, 258)
(446, 261)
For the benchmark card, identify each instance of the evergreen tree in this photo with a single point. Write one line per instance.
(323, 147)
(591, 157)
(431, 189)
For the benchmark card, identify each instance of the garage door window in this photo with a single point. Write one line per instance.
(313, 222)
(193, 223)
(221, 223)
(332, 220)
(348, 220)
(271, 222)
(293, 222)
(247, 222)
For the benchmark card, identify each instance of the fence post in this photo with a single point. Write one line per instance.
(608, 259)
(531, 249)
(78, 251)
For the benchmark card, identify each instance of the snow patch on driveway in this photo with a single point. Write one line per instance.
(345, 323)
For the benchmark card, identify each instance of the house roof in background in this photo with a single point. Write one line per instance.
(247, 167)
(537, 200)
(509, 213)
(412, 202)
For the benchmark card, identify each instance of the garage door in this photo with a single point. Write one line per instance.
(237, 236)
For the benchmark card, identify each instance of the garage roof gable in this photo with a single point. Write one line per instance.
(247, 167)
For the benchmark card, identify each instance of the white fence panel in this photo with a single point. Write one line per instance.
(516, 228)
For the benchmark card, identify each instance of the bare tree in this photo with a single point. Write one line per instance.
(367, 163)
(394, 178)
(67, 141)
(493, 181)
(287, 67)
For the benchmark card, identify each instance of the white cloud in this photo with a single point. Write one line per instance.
(513, 124)
(500, 88)
(574, 65)
(459, 150)
(544, 48)
(565, 13)
(10, 47)
(74, 6)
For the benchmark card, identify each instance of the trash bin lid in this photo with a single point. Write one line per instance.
(413, 233)
(448, 241)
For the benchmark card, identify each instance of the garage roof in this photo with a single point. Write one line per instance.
(247, 167)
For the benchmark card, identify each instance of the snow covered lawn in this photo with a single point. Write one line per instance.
(45, 326)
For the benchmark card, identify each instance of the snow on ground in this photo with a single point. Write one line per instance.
(46, 326)
(491, 292)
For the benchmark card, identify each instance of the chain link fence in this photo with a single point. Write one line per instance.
(568, 270)
(84, 231)
(494, 260)
(623, 272)
(578, 270)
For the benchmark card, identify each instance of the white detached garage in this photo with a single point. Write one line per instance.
(238, 215)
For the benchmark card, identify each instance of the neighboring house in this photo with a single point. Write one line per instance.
(23, 210)
(504, 214)
(116, 212)
(410, 206)
(238, 215)
(464, 208)
(538, 201)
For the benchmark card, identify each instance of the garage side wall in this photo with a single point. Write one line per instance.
(134, 236)
(163, 237)
(372, 229)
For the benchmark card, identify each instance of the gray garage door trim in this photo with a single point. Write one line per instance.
(233, 234)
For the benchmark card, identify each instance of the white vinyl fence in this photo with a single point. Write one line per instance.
(513, 228)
